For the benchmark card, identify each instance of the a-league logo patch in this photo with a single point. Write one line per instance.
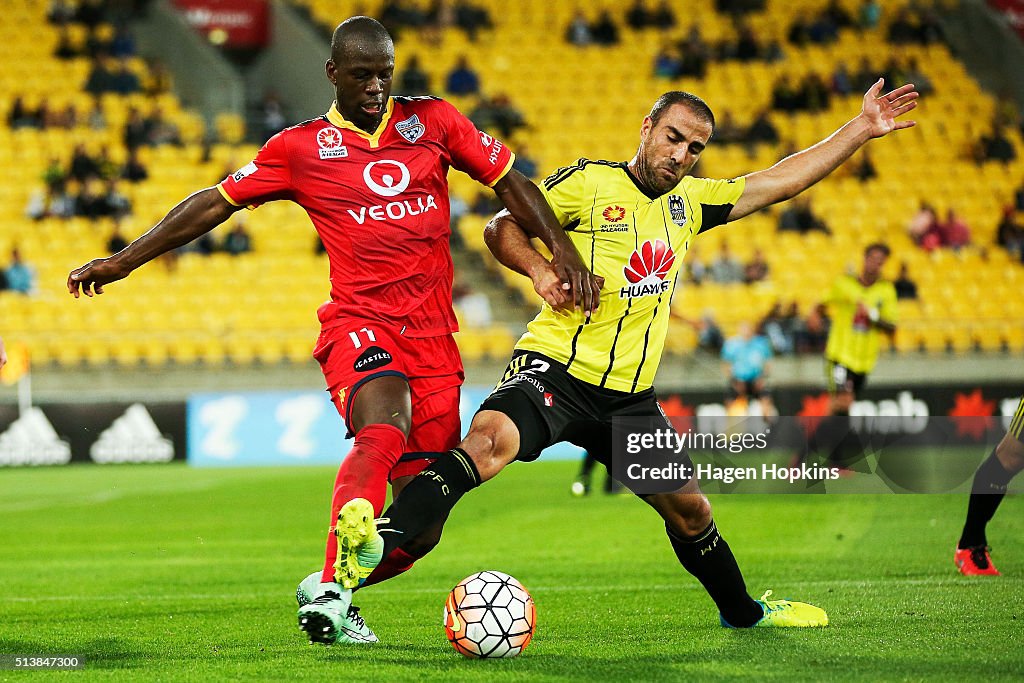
(677, 208)
(329, 140)
(411, 129)
(373, 358)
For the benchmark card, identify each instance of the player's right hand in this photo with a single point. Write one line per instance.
(94, 275)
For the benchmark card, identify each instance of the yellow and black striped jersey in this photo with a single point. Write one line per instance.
(852, 340)
(636, 242)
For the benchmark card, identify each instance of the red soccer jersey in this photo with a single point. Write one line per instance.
(379, 203)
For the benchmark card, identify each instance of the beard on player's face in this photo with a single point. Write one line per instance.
(659, 173)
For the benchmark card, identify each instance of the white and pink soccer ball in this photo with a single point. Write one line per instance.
(489, 614)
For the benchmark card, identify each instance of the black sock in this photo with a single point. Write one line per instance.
(708, 557)
(988, 490)
(429, 497)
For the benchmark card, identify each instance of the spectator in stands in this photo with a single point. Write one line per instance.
(525, 163)
(238, 241)
(923, 228)
(91, 202)
(709, 333)
(66, 48)
(136, 130)
(90, 13)
(823, 30)
(578, 31)
(869, 14)
(440, 17)
(996, 147)
(798, 216)
(96, 118)
(666, 63)
(485, 204)
(474, 307)
(785, 97)
(780, 328)
(54, 174)
(21, 115)
(695, 56)
(471, 18)
(696, 271)
(814, 93)
(158, 77)
(799, 33)
(905, 287)
(161, 131)
(726, 269)
(605, 31)
(117, 241)
(762, 130)
(415, 81)
(396, 15)
(727, 131)
(462, 80)
(841, 81)
(914, 75)
(748, 47)
(60, 12)
(122, 43)
(272, 118)
(100, 79)
(756, 269)
(1010, 233)
(123, 80)
(498, 113)
(118, 204)
(902, 30)
(864, 169)
(954, 231)
(19, 274)
(83, 165)
(663, 17)
(865, 76)
(745, 360)
(813, 333)
(638, 17)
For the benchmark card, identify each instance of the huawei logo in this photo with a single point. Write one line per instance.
(647, 269)
(614, 214)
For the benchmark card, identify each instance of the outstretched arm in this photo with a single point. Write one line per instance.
(196, 215)
(527, 205)
(797, 172)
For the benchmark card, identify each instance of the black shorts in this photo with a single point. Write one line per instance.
(752, 388)
(549, 405)
(842, 378)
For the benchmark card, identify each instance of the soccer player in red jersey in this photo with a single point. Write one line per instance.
(372, 175)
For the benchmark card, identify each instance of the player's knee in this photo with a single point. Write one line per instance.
(492, 443)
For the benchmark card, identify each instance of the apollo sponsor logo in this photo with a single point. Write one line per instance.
(32, 440)
(647, 270)
(394, 211)
(245, 171)
(133, 437)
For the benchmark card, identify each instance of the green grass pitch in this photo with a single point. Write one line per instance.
(170, 573)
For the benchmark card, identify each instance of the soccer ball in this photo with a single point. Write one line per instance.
(489, 614)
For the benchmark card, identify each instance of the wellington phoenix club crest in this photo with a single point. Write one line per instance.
(329, 140)
(647, 269)
(411, 129)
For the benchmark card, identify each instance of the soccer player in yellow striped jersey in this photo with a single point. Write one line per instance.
(635, 239)
(988, 490)
(573, 374)
(863, 310)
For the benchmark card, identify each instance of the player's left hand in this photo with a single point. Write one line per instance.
(580, 286)
(881, 111)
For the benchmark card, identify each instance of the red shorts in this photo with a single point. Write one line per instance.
(357, 351)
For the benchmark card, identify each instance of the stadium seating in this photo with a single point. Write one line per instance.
(259, 307)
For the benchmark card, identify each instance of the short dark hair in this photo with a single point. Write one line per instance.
(359, 29)
(878, 246)
(691, 101)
